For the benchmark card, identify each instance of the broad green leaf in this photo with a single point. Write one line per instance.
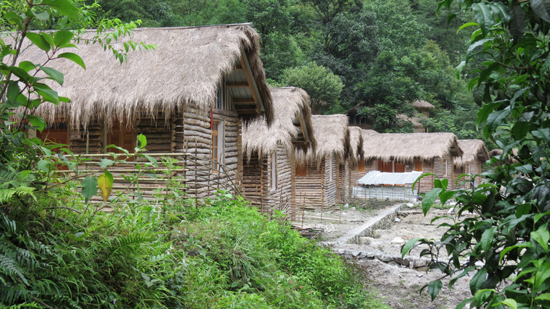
(89, 188)
(483, 15)
(477, 280)
(487, 238)
(105, 184)
(541, 8)
(419, 178)
(142, 141)
(545, 296)
(73, 57)
(106, 162)
(55, 74)
(429, 199)
(520, 129)
(497, 118)
(64, 7)
(434, 287)
(408, 246)
(152, 160)
(543, 273)
(41, 16)
(13, 92)
(487, 72)
(466, 25)
(477, 44)
(38, 40)
(543, 134)
(445, 196)
(62, 37)
(502, 11)
(38, 122)
(48, 38)
(485, 111)
(47, 93)
(539, 216)
(510, 303)
(44, 165)
(518, 94)
(542, 236)
(27, 65)
(445, 183)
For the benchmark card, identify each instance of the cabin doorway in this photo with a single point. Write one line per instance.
(385, 167)
(121, 136)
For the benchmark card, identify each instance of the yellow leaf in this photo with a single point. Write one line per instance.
(105, 184)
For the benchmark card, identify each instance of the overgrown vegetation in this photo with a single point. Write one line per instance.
(222, 254)
(506, 243)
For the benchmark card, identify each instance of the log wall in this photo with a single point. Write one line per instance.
(317, 190)
(202, 180)
(256, 183)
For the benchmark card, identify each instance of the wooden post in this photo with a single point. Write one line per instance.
(195, 184)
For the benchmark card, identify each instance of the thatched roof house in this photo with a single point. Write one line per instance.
(356, 142)
(421, 104)
(474, 155)
(319, 182)
(332, 135)
(186, 68)
(405, 147)
(473, 150)
(291, 127)
(269, 172)
(190, 95)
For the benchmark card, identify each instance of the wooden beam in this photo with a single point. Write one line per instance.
(244, 101)
(249, 80)
(241, 85)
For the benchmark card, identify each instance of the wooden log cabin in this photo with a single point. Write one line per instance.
(475, 154)
(269, 173)
(317, 171)
(188, 95)
(407, 152)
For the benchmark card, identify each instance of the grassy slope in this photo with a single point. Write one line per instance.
(220, 255)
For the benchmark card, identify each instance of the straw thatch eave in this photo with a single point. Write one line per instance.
(333, 138)
(421, 104)
(356, 143)
(185, 69)
(474, 149)
(291, 106)
(405, 147)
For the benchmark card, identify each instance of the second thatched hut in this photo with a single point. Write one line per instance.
(317, 170)
(475, 154)
(269, 164)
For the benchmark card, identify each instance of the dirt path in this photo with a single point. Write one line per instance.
(399, 285)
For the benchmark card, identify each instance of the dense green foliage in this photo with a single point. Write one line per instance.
(222, 254)
(506, 244)
(385, 52)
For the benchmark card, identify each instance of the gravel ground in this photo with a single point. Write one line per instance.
(398, 285)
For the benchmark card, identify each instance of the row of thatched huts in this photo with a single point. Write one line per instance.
(201, 97)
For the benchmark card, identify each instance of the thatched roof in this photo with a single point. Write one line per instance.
(474, 149)
(291, 109)
(406, 147)
(332, 135)
(509, 159)
(366, 132)
(356, 143)
(421, 104)
(415, 120)
(185, 68)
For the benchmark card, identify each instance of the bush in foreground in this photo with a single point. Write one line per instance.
(219, 255)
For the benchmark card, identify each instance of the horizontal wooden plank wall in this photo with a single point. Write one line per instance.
(310, 189)
(159, 131)
(92, 136)
(343, 182)
(201, 179)
(317, 190)
(256, 183)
